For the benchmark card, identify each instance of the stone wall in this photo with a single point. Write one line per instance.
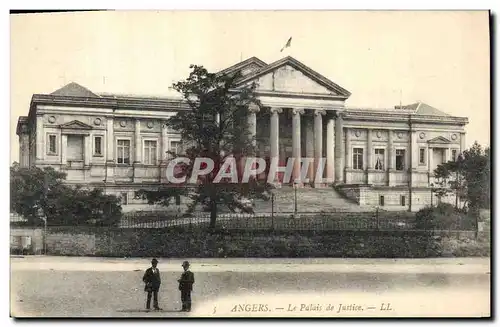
(185, 242)
(29, 238)
(67, 243)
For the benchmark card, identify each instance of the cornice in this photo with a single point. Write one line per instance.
(108, 102)
(174, 105)
(401, 117)
(316, 96)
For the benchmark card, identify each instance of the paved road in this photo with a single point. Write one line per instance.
(98, 287)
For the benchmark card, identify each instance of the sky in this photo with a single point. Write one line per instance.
(383, 58)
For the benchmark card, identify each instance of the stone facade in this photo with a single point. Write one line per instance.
(120, 143)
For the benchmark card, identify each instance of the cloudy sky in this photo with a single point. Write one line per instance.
(440, 58)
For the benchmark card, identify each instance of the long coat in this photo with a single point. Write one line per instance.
(186, 281)
(152, 280)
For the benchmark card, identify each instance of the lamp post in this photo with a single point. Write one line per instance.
(42, 212)
(432, 194)
(295, 187)
(272, 209)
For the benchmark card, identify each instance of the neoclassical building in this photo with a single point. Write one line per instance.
(378, 157)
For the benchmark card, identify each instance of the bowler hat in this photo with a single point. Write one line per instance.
(185, 264)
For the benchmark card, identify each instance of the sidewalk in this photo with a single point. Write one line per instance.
(339, 265)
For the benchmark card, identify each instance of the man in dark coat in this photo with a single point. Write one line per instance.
(152, 280)
(186, 286)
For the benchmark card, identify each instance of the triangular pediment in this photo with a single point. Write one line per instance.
(244, 68)
(75, 90)
(75, 124)
(288, 75)
(439, 140)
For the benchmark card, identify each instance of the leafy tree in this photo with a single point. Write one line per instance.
(215, 127)
(37, 192)
(441, 188)
(29, 189)
(469, 176)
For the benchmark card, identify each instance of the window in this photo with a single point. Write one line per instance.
(400, 159)
(97, 145)
(51, 145)
(150, 152)
(381, 200)
(403, 200)
(175, 147)
(454, 155)
(123, 151)
(124, 198)
(421, 156)
(357, 158)
(379, 159)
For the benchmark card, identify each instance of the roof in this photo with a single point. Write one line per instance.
(420, 108)
(75, 90)
(425, 109)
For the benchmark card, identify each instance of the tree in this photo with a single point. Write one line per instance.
(35, 190)
(469, 176)
(29, 188)
(214, 127)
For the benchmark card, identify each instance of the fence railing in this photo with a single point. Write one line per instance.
(314, 221)
(281, 220)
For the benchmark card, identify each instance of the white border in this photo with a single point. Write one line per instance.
(200, 4)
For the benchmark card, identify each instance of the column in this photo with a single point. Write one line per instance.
(252, 134)
(274, 135)
(369, 155)
(110, 140)
(309, 130)
(330, 135)
(318, 139)
(339, 149)
(64, 149)
(390, 157)
(137, 142)
(39, 138)
(164, 143)
(252, 123)
(88, 150)
(296, 150)
(274, 132)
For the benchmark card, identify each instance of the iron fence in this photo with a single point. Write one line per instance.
(277, 221)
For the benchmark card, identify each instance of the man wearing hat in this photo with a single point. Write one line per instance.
(186, 286)
(152, 280)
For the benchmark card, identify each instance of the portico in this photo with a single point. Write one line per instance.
(308, 136)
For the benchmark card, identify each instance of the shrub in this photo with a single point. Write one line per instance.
(443, 217)
(465, 248)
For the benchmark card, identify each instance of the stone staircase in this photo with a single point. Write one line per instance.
(309, 200)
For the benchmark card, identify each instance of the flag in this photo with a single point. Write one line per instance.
(288, 44)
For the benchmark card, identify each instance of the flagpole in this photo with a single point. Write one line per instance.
(401, 98)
